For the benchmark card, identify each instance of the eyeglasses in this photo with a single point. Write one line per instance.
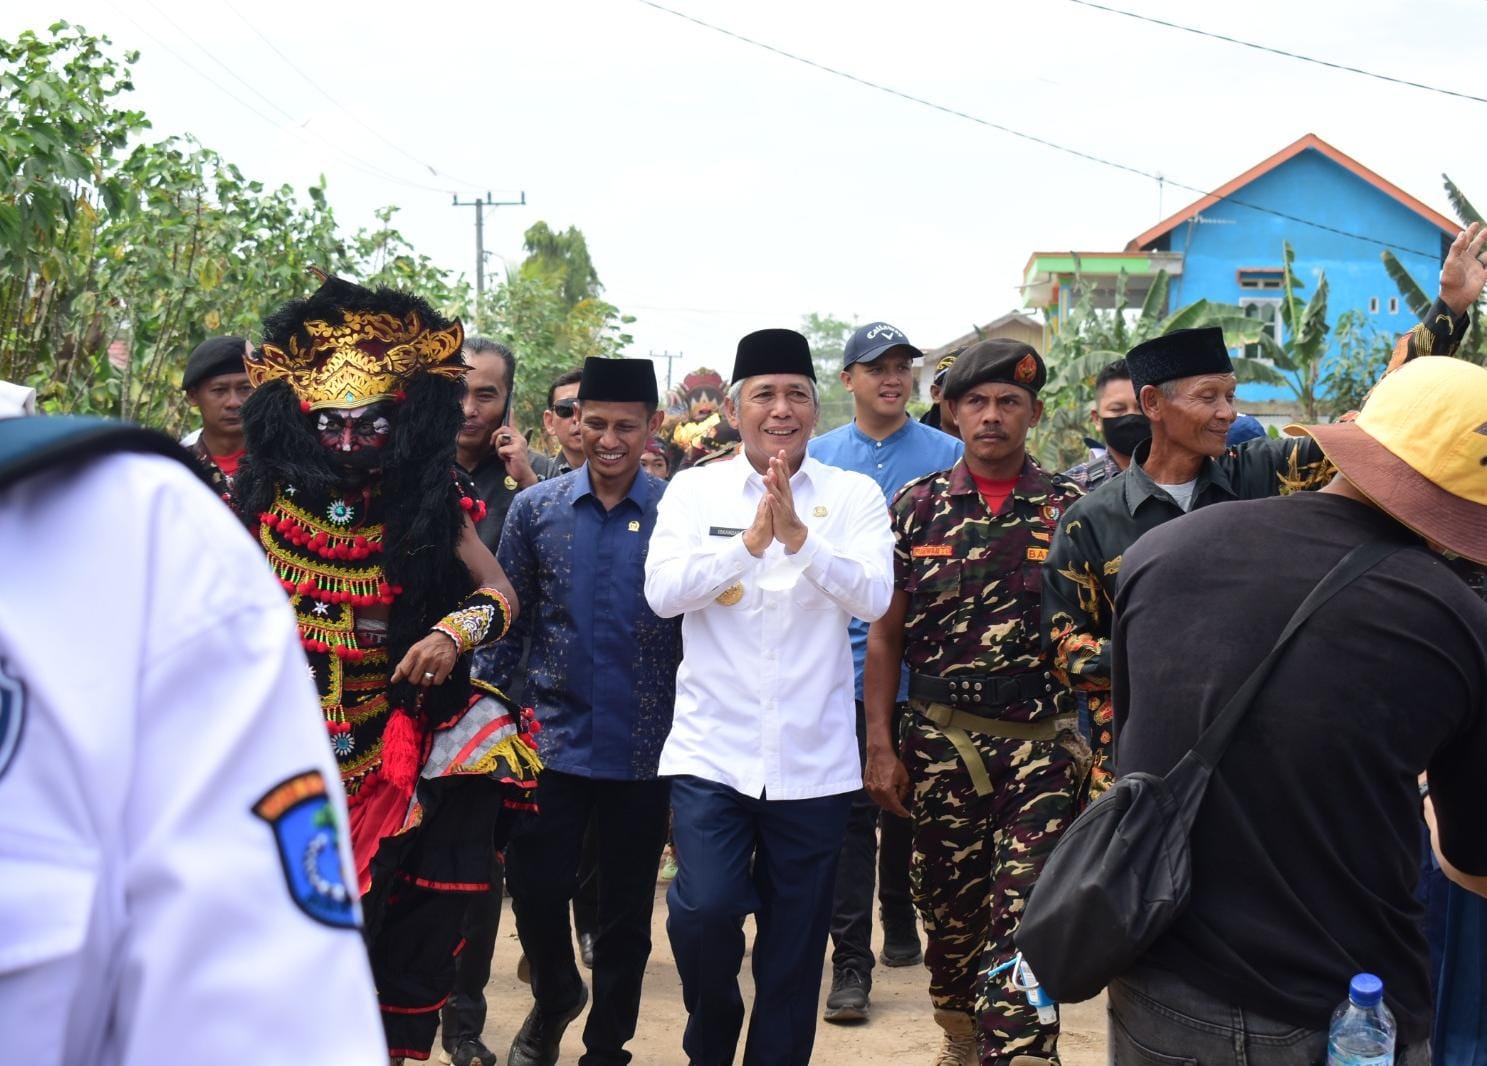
(564, 408)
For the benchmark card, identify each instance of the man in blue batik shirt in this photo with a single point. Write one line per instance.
(602, 679)
(884, 443)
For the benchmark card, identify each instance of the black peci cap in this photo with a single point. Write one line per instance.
(618, 381)
(1183, 353)
(773, 351)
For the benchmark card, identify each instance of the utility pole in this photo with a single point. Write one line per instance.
(669, 357)
(480, 205)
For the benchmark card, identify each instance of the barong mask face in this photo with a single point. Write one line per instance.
(355, 438)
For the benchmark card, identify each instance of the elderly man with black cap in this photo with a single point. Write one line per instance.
(1185, 385)
(216, 384)
(991, 758)
(767, 558)
(1306, 847)
(601, 678)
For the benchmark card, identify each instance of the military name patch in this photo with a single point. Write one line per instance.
(305, 828)
(724, 531)
(931, 551)
(12, 717)
(1037, 555)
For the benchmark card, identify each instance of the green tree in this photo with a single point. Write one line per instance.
(827, 336)
(1089, 338)
(563, 257)
(1362, 354)
(549, 335)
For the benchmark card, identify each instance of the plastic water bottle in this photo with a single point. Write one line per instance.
(1037, 998)
(1362, 1031)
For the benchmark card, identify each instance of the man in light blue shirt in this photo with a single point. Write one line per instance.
(884, 443)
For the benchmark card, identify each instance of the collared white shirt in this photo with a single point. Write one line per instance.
(764, 699)
(153, 698)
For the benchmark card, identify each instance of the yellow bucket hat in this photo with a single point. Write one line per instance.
(1418, 450)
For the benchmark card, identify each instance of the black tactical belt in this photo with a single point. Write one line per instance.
(979, 690)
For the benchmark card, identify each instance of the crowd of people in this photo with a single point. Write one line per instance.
(899, 653)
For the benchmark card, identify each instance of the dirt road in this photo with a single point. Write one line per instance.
(900, 1030)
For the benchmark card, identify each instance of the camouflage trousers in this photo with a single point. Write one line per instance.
(976, 858)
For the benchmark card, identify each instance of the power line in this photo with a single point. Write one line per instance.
(1027, 136)
(1281, 52)
(343, 108)
(294, 130)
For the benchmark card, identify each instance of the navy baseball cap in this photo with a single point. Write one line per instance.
(1245, 427)
(872, 340)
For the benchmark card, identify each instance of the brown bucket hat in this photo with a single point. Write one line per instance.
(1418, 450)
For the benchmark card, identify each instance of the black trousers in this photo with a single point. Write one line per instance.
(464, 1013)
(543, 860)
(774, 859)
(852, 902)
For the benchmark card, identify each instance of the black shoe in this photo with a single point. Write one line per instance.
(901, 944)
(473, 1053)
(586, 949)
(847, 1001)
(537, 1041)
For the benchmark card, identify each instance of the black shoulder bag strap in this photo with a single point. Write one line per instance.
(1189, 779)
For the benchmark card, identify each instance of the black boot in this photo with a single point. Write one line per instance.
(900, 941)
(537, 1041)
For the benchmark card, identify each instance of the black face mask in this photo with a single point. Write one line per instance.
(1123, 432)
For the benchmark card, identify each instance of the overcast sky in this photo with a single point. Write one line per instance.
(724, 188)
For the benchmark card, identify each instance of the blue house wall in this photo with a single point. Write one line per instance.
(1231, 236)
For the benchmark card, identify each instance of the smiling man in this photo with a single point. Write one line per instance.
(990, 759)
(884, 443)
(602, 681)
(767, 558)
(1184, 382)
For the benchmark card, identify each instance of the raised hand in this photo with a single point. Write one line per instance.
(1463, 273)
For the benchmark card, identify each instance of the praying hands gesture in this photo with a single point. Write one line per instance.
(1463, 273)
(776, 518)
(789, 530)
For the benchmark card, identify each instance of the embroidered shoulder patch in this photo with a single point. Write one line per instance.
(304, 824)
(12, 717)
(931, 551)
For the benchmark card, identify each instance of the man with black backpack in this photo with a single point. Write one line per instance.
(1305, 849)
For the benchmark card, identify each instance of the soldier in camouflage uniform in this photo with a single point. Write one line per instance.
(1193, 389)
(991, 754)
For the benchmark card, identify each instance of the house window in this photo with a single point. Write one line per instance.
(1262, 279)
(1394, 305)
(1267, 310)
(1373, 305)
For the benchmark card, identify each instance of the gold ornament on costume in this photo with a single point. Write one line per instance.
(732, 594)
(364, 358)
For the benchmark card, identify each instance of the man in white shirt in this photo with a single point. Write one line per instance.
(173, 858)
(767, 557)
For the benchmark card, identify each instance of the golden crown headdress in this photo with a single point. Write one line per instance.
(347, 346)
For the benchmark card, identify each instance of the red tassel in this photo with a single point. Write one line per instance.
(304, 406)
(400, 750)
